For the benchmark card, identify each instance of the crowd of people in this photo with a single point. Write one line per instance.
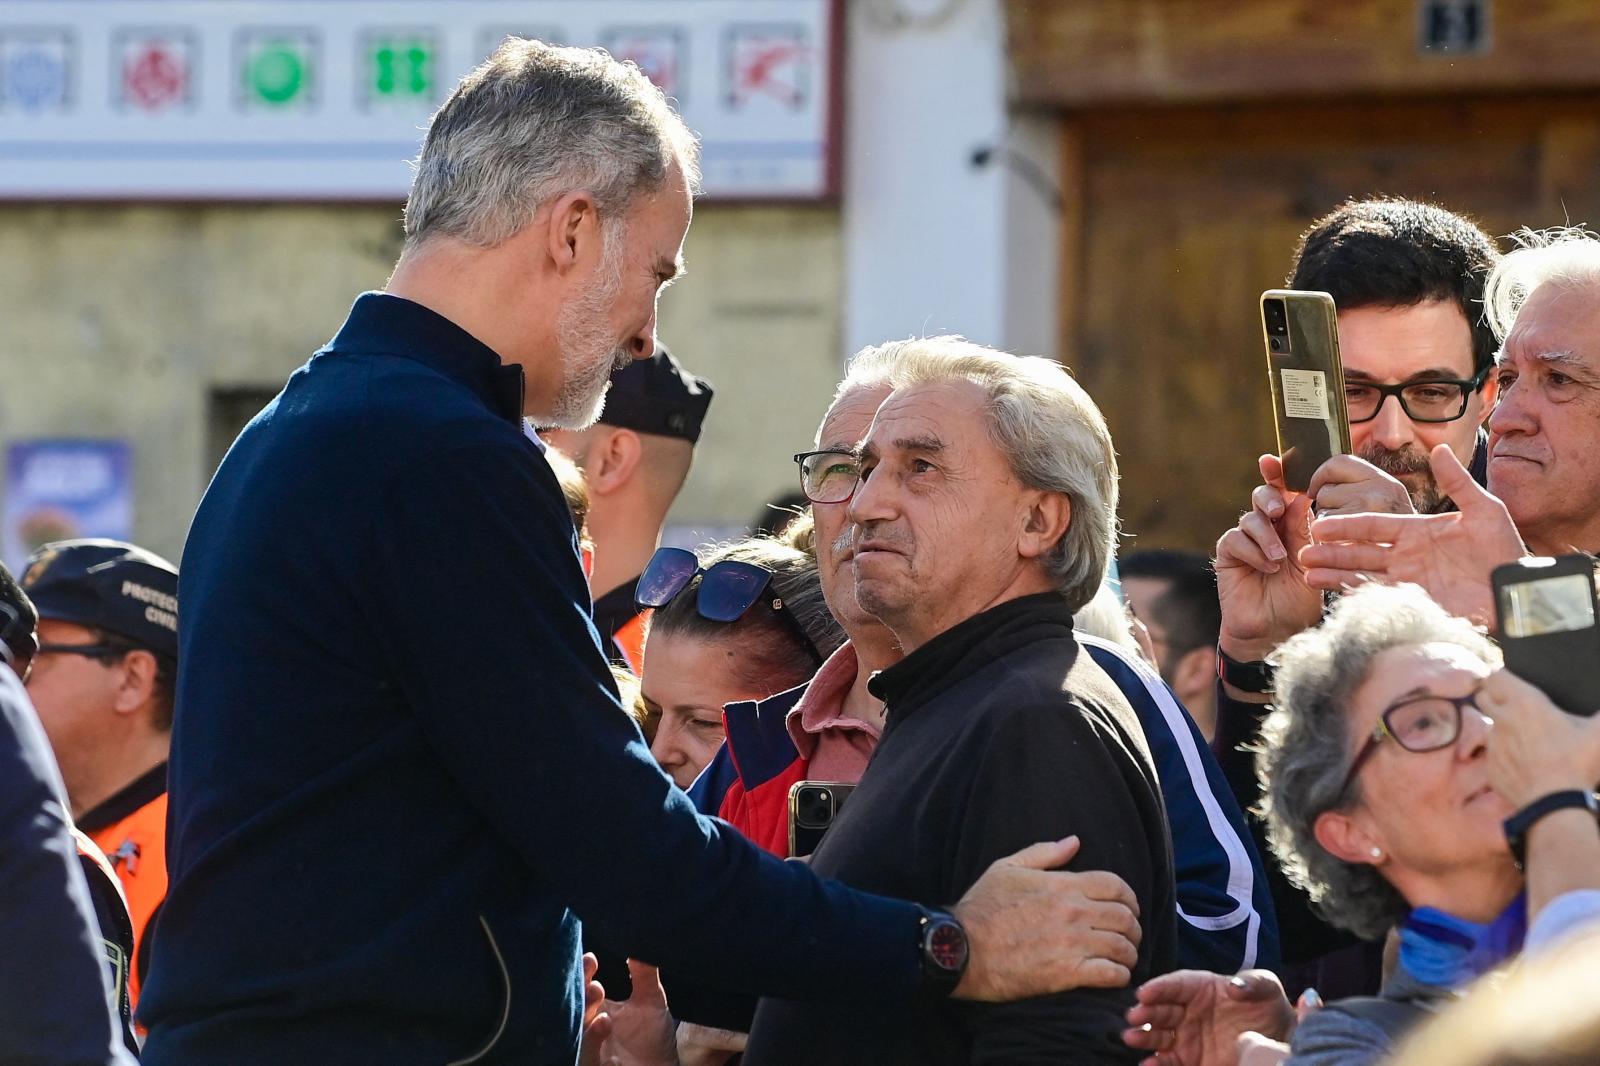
(445, 759)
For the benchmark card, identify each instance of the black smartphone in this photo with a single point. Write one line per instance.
(813, 807)
(1301, 331)
(1545, 619)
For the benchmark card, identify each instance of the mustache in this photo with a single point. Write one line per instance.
(887, 535)
(620, 360)
(1396, 463)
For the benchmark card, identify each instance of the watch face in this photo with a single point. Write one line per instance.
(947, 946)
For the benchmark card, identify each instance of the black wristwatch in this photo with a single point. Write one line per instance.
(942, 943)
(1518, 824)
(1246, 677)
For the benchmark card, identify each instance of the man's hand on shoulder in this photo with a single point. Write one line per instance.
(1449, 555)
(1033, 928)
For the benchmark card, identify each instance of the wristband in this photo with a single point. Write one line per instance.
(1246, 677)
(1518, 825)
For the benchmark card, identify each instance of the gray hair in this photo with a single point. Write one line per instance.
(1051, 433)
(1568, 256)
(1305, 745)
(532, 123)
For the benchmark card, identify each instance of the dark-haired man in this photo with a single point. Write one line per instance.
(102, 680)
(1408, 280)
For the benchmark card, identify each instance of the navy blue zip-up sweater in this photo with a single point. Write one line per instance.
(399, 768)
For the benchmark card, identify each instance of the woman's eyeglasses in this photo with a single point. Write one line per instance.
(727, 589)
(1423, 723)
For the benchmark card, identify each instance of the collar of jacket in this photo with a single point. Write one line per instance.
(965, 647)
(392, 325)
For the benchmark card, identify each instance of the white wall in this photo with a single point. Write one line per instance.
(932, 242)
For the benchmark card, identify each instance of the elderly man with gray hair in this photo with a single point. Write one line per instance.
(984, 517)
(399, 768)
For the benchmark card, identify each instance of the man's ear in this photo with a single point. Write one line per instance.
(613, 458)
(1044, 522)
(1195, 671)
(572, 231)
(1346, 839)
(137, 684)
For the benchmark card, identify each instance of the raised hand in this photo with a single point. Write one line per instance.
(1196, 1018)
(1262, 588)
(1348, 484)
(1033, 928)
(1449, 555)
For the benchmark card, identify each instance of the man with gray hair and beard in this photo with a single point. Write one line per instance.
(984, 516)
(399, 766)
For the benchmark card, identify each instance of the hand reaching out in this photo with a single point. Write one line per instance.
(1196, 1018)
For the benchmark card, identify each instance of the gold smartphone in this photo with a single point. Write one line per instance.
(1302, 338)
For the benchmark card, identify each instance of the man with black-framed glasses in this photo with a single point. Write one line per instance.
(102, 680)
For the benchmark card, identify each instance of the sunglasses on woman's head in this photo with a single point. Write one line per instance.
(727, 589)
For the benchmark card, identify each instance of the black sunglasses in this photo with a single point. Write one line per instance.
(727, 589)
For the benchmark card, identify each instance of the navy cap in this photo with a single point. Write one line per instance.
(657, 395)
(110, 585)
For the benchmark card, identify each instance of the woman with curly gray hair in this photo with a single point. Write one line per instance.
(1379, 803)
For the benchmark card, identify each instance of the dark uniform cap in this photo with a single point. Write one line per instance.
(657, 395)
(110, 585)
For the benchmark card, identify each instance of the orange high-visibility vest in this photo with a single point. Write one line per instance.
(136, 846)
(630, 641)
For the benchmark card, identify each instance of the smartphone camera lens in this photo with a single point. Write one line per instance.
(816, 807)
(1277, 319)
(1276, 344)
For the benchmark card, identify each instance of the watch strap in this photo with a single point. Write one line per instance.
(1246, 677)
(1518, 825)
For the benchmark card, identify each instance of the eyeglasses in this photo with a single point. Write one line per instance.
(1441, 400)
(828, 477)
(88, 651)
(1424, 723)
(727, 589)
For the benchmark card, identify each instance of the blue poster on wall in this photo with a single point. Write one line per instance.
(56, 489)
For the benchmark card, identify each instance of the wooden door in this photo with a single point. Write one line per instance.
(1177, 218)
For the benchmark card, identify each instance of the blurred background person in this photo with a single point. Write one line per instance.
(1174, 593)
(745, 624)
(102, 681)
(634, 460)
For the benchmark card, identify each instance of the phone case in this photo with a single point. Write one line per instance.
(1548, 626)
(1307, 379)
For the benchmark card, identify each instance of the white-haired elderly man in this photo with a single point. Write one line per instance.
(984, 517)
(1543, 494)
(399, 767)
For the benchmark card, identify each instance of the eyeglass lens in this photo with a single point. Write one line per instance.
(729, 588)
(1425, 724)
(829, 477)
(669, 571)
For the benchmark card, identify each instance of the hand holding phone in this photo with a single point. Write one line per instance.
(1302, 340)
(1549, 628)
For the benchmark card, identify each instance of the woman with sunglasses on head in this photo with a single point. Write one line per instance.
(744, 623)
(1383, 802)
